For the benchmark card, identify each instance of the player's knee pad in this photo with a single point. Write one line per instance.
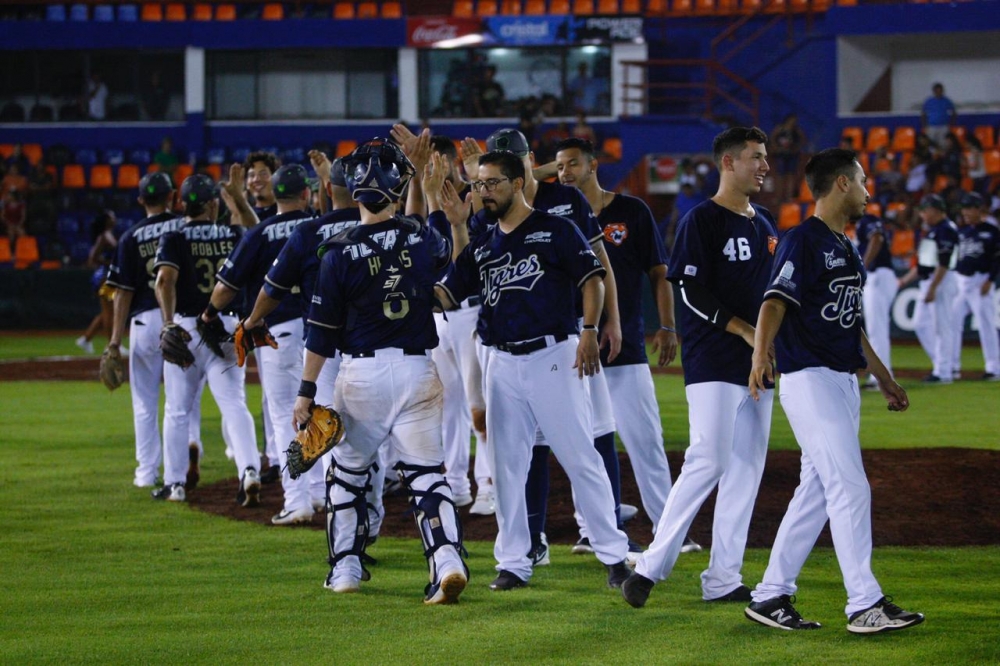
(435, 512)
(347, 518)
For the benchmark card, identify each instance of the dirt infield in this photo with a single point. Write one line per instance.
(920, 497)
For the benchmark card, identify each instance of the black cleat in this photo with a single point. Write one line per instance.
(742, 593)
(617, 574)
(883, 616)
(636, 590)
(505, 580)
(778, 613)
(271, 475)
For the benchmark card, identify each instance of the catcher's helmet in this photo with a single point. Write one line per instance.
(377, 172)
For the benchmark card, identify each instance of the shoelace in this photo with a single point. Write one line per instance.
(890, 608)
(794, 614)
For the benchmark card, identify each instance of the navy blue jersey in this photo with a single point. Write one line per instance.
(978, 249)
(132, 269)
(555, 199)
(936, 247)
(197, 250)
(248, 264)
(297, 265)
(266, 212)
(527, 280)
(376, 288)
(731, 256)
(818, 273)
(634, 247)
(867, 227)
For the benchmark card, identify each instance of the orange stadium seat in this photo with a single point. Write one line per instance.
(181, 172)
(151, 11)
(855, 134)
(73, 177)
(902, 242)
(367, 10)
(726, 7)
(6, 150)
(225, 12)
(176, 11)
(273, 11)
(959, 132)
(704, 7)
(847, 3)
(26, 252)
(534, 7)
(631, 6)
(904, 138)
(820, 5)
(559, 7)
(774, 6)
(681, 6)
(904, 161)
(874, 208)
(750, 6)
(878, 137)
(128, 177)
(215, 171)
(895, 208)
(510, 7)
(799, 6)
(612, 148)
(152, 168)
(33, 151)
(100, 177)
(810, 211)
(343, 10)
(991, 159)
(201, 12)
(940, 183)
(345, 146)
(805, 194)
(583, 7)
(6, 258)
(870, 185)
(607, 7)
(656, 7)
(392, 10)
(50, 264)
(462, 9)
(985, 135)
(486, 8)
(863, 161)
(789, 215)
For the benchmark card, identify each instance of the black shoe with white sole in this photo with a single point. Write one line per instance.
(636, 590)
(883, 616)
(742, 593)
(778, 613)
(505, 580)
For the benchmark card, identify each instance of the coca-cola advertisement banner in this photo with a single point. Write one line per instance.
(431, 32)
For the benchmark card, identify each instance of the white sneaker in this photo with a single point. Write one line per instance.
(628, 512)
(318, 503)
(451, 582)
(464, 499)
(249, 492)
(286, 517)
(485, 504)
(343, 584)
(173, 492)
(86, 345)
(690, 546)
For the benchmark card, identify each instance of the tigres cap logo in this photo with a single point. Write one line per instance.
(616, 232)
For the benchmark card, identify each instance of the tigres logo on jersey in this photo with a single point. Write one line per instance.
(772, 243)
(616, 232)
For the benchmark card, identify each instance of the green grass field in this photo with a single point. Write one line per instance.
(96, 572)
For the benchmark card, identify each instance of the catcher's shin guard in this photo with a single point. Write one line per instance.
(347, 514)
(435, 512)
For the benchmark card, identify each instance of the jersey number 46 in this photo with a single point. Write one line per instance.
(737, 249)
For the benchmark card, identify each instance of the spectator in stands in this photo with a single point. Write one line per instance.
(19, 159)
(155, 98)
(41, 199)
(582, 129)
(14, 180)
(490, 97)
(916, 179)
(924, 147)
(938, 115)
(165, 157)
(101, 254)
(96, 98)
(455, 92)
(589, 94)
(948, 163)
(975, 164)
(15, 214)
(786, 145)
(889, 182)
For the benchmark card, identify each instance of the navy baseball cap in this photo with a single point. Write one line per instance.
(972, 200)
(337, 173)
(198, 188)
(289, 181)
(934, 201)
(155, 184)
(508, 139)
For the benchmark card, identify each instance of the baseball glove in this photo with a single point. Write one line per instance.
(173, 344)
(319, 434)
(213, 333)
(112, 368)
(248, 339)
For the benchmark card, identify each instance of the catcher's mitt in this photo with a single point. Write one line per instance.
(112, 368)
(248, 339)
(173, 344)
(213, 333)
(319, 434)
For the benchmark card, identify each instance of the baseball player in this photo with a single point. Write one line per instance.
(281, 368)
(976, 268)
(132, 275)
(186, 263)
(527, 269)
(721, 262)
(874, 240)
(636, 252)
(812, 316)
(373, 301)
(935, 259)
(259, 168)
(568, 202)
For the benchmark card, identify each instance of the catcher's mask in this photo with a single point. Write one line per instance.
(377, 172)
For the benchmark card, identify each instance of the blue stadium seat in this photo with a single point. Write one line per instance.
(293, 156)
(215, 155)
(271, 149)
(114, 156)
(79, 252)
(86, 156)
(78, 13)
(140, 156)
(128, 13)
(55, 13)
(104, 13)
(239, 154)
(68, 228)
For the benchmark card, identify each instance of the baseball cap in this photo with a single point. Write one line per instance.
(155, 184)
(508, 139)
(198, 188)
(337, 173)
(934, 201)
(972, 200)
(289, 181)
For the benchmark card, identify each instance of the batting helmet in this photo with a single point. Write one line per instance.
(377, 172)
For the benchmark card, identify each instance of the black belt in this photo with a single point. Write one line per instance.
(522, 348)
(473, 301)
(409, 351)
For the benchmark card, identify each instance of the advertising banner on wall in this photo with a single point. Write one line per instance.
(446, 31)
(440, 31)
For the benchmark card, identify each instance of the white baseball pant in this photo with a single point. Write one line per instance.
(934, 327)
(824, 409)
(984, 311)
(226, 382)
(877, 298)
(542, 390)
(728, 432)
(270, 443)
